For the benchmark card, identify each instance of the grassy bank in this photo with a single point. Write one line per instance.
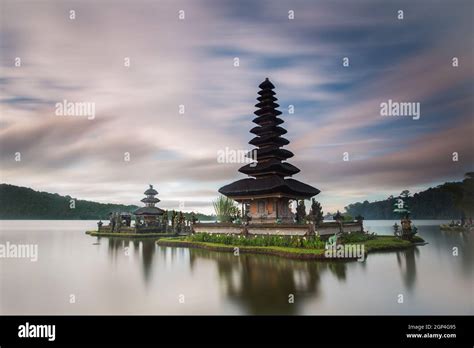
(387, 243)
(375, 243)
(295, 253)
(128, 235)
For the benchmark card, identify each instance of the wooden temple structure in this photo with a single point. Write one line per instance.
(267, 194)
(148, 219)
(149, 215)
(269, 190)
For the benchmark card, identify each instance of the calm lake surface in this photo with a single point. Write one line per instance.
(116, 276)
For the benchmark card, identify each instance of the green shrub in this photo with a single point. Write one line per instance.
(225, 209)
(356, 237)
(312, 242)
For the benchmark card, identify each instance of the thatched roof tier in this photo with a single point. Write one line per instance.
(266, 93)
(267, 120)
(271, 152)
(266, 98)
(269, 167)
(148, 211)
(151, 191)
(265, 140)
(266, 85)
(268, 103)
(150, 200)
(273, 184)
(268, 130)
(267, 110)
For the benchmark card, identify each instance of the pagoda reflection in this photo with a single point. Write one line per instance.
(264, 284)
(142, 250)
(406, 260)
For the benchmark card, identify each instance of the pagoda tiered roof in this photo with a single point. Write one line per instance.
(149, 211)
(268, 130)
(272, 185)
(270, 171)
(269, 167)
(151, 191)
(150, 200)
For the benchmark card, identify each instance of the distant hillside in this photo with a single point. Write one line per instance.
(446, 201)
(22, 203)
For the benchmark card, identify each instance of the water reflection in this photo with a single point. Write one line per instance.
(406, 260)
(142, 250)
(464, 241)
(259, 284)
(264, 284)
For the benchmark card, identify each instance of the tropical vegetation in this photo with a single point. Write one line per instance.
(448, 201)
(226, 209)
(312, 242)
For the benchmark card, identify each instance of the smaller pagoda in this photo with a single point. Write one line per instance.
(402, 209)
(149, 213)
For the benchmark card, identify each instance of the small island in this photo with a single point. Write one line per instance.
(354, 246)
(149, 221)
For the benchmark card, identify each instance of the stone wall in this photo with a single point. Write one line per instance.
(123, 229)
(280, 229)
(327, 228)
(222, 228)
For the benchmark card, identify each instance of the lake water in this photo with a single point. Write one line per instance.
(114, 276)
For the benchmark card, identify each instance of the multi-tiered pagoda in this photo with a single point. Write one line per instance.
(267, 195)
(149, 212)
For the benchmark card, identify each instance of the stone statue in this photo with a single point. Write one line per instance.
(332, 241)
(406, 225)
(193, 218)
(164, 221)
(173, 219)
(176, 221)
(112, 222)
(180, 221)
(338, 216)
(396, 230)
(407, 230)
(118, 222)
(300, 212)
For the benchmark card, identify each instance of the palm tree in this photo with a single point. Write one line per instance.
(225, 209)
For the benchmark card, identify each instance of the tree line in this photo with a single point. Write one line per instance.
(451, 200)
(23, 203)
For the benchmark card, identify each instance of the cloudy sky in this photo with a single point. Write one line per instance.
(190, 62)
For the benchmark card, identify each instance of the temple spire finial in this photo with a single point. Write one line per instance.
(266, 85)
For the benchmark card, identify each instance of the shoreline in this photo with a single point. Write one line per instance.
(381, 244)
(129, 235)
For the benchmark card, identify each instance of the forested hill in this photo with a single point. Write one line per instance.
(447, 201)
(24, 203)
